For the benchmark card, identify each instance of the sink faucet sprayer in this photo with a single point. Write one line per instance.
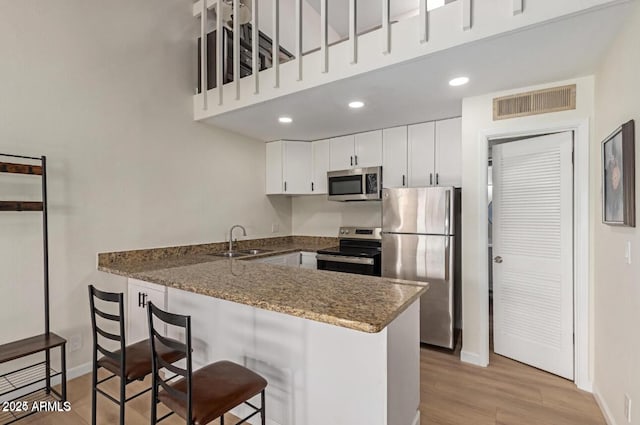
(244, 233)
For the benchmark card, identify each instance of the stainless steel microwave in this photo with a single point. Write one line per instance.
(356, 184)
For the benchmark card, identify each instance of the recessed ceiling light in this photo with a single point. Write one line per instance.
(356, 104)
(285, 120)
(460, 81)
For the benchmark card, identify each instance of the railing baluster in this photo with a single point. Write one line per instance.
(255, 47)
(276, 43)
(324, 50)
(518, 7)
(424, 22)
(466, 15)
(386, 28)
(204, 78)
(353, 31)
(219, 53)
(236, 46)
(299, 37)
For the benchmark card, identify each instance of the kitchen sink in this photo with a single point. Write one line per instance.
(231, 254)
(254, 251)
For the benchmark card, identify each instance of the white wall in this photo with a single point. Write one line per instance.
(477, 119)
(617, 285)
(104, 89)
(316, 216)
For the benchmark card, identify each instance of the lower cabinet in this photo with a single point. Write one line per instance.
(139, 294)
(308, 260)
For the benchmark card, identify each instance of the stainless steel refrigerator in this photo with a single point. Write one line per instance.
(420, 230)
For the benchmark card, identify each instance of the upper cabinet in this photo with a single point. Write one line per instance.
(289, 168)
(434, 153)
(448, 152)
(359, 151)
(426, 154)
(321, 164)
(394, 157)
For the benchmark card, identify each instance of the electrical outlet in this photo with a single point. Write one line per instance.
(627, 408)
(75, 343)
(275, 228)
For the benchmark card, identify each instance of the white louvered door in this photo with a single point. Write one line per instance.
(533, 252)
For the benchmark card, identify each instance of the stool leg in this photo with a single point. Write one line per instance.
(262, 409)
(94, 384)
(63, 366)
(123, 397)
(222, 419)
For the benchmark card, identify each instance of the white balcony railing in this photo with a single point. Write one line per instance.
(421, 32)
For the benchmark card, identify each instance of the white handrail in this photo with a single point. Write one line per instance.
(204, 60)
(353, 29)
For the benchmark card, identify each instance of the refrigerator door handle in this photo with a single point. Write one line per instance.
(447, 213)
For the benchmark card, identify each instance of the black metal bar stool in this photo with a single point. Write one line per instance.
(129, 363)
(206, 394)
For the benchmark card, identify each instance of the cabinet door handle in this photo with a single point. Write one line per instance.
(403, 180)
(285, 186)
(356, 159)
(430, 178)
(351, 160)
(312, 189)
(142, 299)
(437, 178)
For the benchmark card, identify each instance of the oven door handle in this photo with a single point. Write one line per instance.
(344, 259)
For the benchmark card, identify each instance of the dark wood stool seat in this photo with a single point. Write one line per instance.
(202, 396)
(217, 388)
(138, 357)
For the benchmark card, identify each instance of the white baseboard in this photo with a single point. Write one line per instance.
(604, 408)
(416, 420)
(472, 358)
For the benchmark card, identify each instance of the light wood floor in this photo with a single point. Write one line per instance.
(452, 393)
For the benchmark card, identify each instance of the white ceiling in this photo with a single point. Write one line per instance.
(418, 91)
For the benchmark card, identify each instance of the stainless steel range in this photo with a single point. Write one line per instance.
(359, 252)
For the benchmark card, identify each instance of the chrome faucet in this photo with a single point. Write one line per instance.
(244, 233)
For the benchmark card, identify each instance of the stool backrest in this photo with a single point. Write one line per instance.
(158, 340)
(98, 332)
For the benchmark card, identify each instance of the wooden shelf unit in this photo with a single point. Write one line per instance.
(33, 382)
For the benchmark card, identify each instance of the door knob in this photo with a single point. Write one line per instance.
(498, 259)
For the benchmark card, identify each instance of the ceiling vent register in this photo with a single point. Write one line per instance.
(535, 102)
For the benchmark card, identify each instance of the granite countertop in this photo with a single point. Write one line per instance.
(363, 303)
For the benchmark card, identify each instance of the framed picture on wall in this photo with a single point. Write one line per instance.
(618, 177)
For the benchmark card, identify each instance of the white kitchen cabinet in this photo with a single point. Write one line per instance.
(448, 152)
(368, 149)
(321, 152)
(308, 260)
(342, 152)
(421, 154)
(289, 168)
(356, 151)
(139, 295)
(434, 153)
(292, 260)
(394, 157)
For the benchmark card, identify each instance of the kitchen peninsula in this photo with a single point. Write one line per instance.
(335, 348)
